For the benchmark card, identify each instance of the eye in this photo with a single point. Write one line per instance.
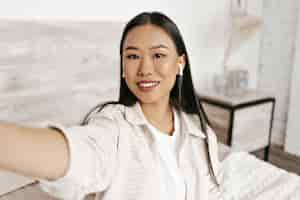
(132, 56)
(159, 55)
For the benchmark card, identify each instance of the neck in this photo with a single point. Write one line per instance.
(158, 113)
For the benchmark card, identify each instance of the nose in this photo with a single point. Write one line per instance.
(146, 67)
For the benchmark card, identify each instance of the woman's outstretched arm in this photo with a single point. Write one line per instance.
(33, 152)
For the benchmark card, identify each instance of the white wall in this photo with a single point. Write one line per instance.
(202, 23)
(277, 58)
(292, 144)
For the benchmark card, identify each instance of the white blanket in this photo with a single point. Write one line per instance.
(245, 177)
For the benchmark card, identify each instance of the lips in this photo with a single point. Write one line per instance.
(145, 85)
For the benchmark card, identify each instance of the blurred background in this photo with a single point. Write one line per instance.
(58, 59)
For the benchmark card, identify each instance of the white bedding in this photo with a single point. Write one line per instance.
(245, 177)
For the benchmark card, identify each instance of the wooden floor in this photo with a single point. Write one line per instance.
(282, 159)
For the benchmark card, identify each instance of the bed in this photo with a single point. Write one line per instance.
(57, 71)
(245, 177)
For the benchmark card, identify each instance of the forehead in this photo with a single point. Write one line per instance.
(146, 36)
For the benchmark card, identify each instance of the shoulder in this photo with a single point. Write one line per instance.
(195, 120)
(192, 124)
(110, 112)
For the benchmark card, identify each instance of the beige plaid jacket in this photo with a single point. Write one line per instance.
(114, 157)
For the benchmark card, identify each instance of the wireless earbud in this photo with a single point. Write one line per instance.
(180, 69)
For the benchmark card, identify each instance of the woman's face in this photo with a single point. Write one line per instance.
(150, 63)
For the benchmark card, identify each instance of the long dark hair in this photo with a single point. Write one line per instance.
(183, 95)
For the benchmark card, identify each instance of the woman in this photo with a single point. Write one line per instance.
(153, 143)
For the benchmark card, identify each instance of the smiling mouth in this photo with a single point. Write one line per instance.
(147, 86)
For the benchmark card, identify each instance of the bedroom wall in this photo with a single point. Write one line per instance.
(202, 23)
(292, 144)
(277, 58)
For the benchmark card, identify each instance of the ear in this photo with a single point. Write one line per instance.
(123, 73)
(181, 62)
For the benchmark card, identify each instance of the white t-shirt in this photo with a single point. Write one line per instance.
(172, 180)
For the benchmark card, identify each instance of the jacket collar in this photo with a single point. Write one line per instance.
(190, 123)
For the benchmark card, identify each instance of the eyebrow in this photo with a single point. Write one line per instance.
(153, 47)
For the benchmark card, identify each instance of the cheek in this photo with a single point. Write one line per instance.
(130, 76)
(168, 75)
(167, 71)
(130, 79)
(130, 71)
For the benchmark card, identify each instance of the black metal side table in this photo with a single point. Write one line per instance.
(242, 121)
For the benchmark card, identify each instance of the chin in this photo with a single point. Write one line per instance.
(149, 97)
(147, 100)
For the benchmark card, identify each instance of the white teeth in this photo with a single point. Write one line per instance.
(148, 84)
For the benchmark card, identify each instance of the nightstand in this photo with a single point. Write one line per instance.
(244, 121)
